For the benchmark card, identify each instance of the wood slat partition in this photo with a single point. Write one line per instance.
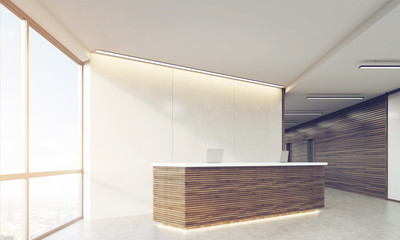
(191, 197)
(169, 195)
(354, 143)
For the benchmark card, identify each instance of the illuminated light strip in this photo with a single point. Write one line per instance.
(379, 67)
(186, 68)
(334, 98)
(303, 113)
(244, 222)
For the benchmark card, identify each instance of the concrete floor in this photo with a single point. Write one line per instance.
(345, 216)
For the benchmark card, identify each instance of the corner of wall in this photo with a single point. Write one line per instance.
(86, 141)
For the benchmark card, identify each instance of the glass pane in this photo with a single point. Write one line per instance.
(12, 93)
(53, 201)
(54, 108)
(12, 210)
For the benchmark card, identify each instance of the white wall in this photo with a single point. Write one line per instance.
(142, 113)
(394, 146)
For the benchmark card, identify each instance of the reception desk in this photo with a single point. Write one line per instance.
(197, 195)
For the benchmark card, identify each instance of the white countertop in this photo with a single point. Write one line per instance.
(265, 164)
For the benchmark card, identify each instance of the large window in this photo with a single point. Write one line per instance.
(40, 133)
(12, 93)
(54, 108)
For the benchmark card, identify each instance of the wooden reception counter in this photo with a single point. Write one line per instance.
(198, 195)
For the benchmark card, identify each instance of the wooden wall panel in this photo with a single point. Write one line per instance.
(215, 195)
(354, 143)
(169, 195)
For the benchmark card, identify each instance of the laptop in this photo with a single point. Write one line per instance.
(284, 156)
(215, 155)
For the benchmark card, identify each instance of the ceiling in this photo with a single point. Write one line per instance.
(312, 47)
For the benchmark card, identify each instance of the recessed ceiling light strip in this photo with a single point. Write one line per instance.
(334, 98)
(303, 113)
(186, 68)
(379, 67)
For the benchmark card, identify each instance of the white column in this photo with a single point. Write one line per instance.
(394, 146)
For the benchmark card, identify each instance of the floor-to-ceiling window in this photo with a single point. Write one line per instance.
(40, 133)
